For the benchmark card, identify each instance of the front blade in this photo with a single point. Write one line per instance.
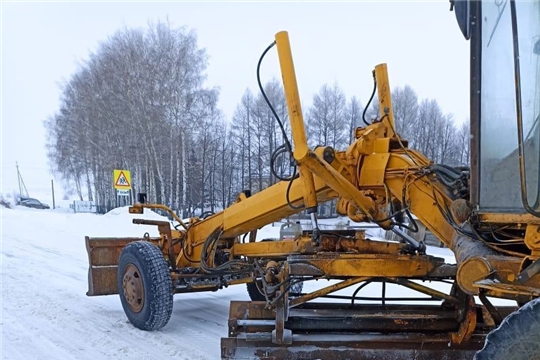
(103, 255)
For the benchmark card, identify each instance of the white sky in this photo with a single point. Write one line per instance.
(42, 43)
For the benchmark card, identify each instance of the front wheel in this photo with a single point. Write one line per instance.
(145, 286)
(517, 338)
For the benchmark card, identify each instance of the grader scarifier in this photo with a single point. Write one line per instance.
(488, 215)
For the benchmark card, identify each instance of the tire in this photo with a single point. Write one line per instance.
(253, 291)
(517, 338)
(297, 288)
(145, 286)
(256, 295)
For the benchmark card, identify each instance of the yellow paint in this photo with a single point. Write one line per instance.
(295, 115)
(122, 179)
(386, 111)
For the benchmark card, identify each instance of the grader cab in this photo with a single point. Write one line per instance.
(488, 215)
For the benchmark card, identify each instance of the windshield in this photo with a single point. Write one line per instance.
(499, 168)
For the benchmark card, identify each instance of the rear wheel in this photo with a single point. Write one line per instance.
(145, 285)
(517, 338)
(253, 291)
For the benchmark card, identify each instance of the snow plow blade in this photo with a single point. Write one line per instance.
(339, 331)
(103, 255)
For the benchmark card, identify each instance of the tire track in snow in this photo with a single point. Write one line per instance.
(47, 315)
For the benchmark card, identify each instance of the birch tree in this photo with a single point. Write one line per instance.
(326, 118)
(133, 104)
(354, 116)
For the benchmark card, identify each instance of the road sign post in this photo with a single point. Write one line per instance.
(122, 184)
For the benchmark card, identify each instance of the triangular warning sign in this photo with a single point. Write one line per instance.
(122, 180)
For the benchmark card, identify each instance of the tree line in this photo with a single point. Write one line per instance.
(140, 103)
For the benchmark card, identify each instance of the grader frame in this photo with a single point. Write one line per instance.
(377, 179)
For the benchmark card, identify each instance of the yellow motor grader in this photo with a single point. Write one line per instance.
(488, 215)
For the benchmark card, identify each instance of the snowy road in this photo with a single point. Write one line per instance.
(47, 315)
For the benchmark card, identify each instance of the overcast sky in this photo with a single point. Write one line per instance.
(43, 43)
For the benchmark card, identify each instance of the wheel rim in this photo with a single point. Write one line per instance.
(133, 288)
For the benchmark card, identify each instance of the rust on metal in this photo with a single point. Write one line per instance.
(103, 256)
(281, 335)
(370, 265)
(519, 220)
(468, 324)
(332, 330)
(461, 209)
(497, 288)
(136, 210)
(357, 244)
(274, 248)
(133, 288)
(360, 347)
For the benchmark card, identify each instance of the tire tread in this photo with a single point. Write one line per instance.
(159, 281)
(517, 338)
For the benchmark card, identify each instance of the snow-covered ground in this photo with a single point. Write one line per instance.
(46, 314)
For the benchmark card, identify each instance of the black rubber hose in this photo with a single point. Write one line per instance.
(285, 138)
(370, 99)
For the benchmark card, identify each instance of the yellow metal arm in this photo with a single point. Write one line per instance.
(301, 148)
(386, 111)
(309, 163)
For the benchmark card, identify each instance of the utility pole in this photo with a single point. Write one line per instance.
(52, 187)
(18, 177)
(21, 182)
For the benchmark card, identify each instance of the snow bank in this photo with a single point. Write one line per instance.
(122, 214)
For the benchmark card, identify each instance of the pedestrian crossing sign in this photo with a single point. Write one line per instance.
(122, 179)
